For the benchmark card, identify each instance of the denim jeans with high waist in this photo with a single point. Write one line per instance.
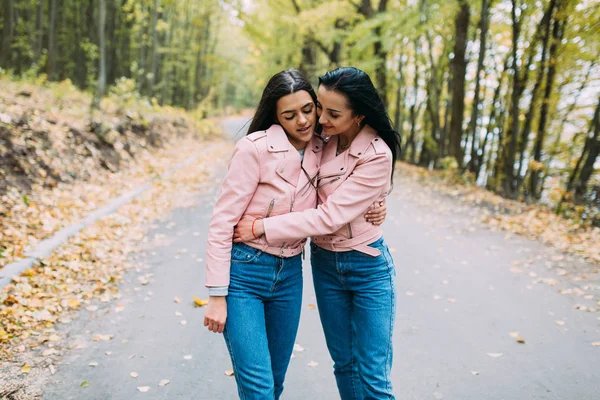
(263, 312)
(356, 300)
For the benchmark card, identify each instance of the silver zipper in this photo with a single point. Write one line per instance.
(270, 208)
(292, 206)
(331, 181)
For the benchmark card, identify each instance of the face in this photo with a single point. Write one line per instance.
(297, 115)
(335, 115)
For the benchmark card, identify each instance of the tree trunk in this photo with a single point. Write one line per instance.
(379, 52)
(557, 35)
(509, 150)
(530, 116)
(52, 48)
(102, 51)
(7, 34)
(458, 68)
(472, 130)
(398, 112)
(593, 148)
(39, 31)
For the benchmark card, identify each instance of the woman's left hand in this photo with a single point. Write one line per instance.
(377, 213)
(243, 230)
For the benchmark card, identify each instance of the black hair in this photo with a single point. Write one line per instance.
(281, 84)
(363, 99)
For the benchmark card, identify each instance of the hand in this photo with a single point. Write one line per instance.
(376, 213)
(216, 314)
(243, 230)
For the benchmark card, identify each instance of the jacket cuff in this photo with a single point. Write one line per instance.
(218, 291)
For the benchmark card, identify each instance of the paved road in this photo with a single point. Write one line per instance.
(462, 289)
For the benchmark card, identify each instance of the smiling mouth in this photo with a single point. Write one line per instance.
(304, 130)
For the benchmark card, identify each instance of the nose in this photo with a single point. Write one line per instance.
(302, 120)
(322, 119)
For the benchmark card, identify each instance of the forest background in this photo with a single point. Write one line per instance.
(504, 94)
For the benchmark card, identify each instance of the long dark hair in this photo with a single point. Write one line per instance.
(364, 100)
(281, 84)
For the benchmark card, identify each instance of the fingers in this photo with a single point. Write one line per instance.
(214, 326)
(377, 221)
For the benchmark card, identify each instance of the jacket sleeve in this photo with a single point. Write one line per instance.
(367, 183)
(239, 186)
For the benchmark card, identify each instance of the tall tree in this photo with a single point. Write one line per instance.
(472, 130)
(458, 67)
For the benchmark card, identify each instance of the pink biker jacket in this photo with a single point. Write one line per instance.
(264, 179)
(348, 184)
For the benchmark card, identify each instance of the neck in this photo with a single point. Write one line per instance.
(347, 137)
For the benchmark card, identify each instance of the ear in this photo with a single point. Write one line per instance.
(360, 119)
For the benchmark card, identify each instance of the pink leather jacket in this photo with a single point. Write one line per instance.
(348, 184)
(264, 179)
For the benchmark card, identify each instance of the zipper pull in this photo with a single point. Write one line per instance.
(303, 253)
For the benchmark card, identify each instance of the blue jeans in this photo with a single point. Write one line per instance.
(357, 304)
(263, 312)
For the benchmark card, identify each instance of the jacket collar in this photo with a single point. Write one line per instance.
(361, 142)
(277, 139)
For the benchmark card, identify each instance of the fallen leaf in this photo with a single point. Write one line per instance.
(229, 372)
(52, 369)
(520, 340)
(495, 355)
(200, 303)
(102, 337)
(187, 357)
(560, 323)
(183, 322)
(73, 303)
(312, 364)
(164, 382)
(596, 344)
(177, 299)
(474, 372)
(134, 375)
(143, 389)
(84, 384)
(93, 364)
(297, 347)
(311, 307)
(514, 334)
(25, 369)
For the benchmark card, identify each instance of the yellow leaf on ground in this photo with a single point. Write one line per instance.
(25, 369)
(200, 302)
(73, 303)
(229, 372)
(311, 307)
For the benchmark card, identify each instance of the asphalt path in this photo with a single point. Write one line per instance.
(464, 291)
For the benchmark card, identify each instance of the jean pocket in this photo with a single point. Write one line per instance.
(242, 253)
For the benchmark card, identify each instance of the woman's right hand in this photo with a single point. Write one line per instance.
(216, 314)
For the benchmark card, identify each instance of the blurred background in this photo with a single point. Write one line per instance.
(503, 92)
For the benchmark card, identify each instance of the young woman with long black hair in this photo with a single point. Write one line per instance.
(255, 286)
